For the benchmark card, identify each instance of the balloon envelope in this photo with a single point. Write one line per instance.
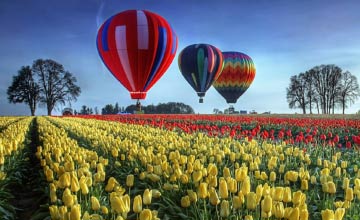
(137, 46)
(236, 77)
(200, 64)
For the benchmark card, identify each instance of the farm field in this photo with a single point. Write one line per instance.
(179, 167)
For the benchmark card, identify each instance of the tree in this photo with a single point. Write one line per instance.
(24, 89)
(56, 84)
(107, 110)
(349, 90)
(86, 110)
(296, 92)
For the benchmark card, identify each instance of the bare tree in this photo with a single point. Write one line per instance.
(326, 81)
(349, 90)
(24, 89)
(296, 92)
(56, 85)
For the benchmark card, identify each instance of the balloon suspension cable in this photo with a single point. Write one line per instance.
(138, 105)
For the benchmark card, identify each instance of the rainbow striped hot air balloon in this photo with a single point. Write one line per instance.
(236, 77)
(201, 65)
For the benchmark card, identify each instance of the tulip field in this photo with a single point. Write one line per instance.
(201, 167)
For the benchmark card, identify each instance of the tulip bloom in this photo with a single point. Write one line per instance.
(223, 189)
(267, 204)
(339, 213)
(224, 209)
(147, 196)
(327, 214)
(202, 190)
(145, 214)
(95, 205)
(214, 199)
(130, 180)
(137, 205)
(185, 201)
(75, 213)
(251, 201)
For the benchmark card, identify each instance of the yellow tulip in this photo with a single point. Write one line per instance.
(338, 172)
(154, 193)
(287, 195)
(279, 210)
(223, 189)
(282, 168)
(304, 185)
(224, 209)
(248, 217)
(272, 176)
(297, 197)
(75, 186)
(75, 213)
(192, 195)
(349, 194)
(49, 175)
(266, 204)
(241, 173)
(184, 179)
(130, 180)
(295, 214)
(346, 183)
(237, 202)
(327, 214)
(117, 204)
(214, 199)
(202, 190)
(339, 213)
(137, 205)
(331, 187)
(54, 212)
(251, 201)
(197, 176)
(278, 194)
(147, 196)
(145, 214)
(185, 201)
(304, 214)
(95, 204)
(264, 176)
(232, 185)
(67, 198)
(112, 182)
(226, 172)
(64, 180)
(104, 210)
(246, 186)
(313, 180)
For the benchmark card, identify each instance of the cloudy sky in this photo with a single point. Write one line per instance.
(283, 38)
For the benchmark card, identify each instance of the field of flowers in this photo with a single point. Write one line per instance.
(186, 167)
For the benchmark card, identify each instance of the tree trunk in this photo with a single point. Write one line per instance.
(49, 109)
(310, 105)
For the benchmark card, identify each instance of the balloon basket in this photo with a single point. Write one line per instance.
(201, 100)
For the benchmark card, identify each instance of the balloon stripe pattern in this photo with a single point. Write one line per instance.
(137, 46)
(236, 77)
(200, 64)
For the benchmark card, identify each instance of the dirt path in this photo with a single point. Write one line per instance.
(29, 193)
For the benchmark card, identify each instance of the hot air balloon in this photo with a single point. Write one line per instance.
(200, 64)
(137, 46)
(236, 77)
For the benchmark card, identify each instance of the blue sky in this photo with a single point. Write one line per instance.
(283, 38)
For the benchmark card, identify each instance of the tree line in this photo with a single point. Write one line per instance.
(161, 108)
(323, 88)
(46, 82)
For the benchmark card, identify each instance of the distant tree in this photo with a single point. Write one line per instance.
(216, 111)
(296, 92)
(326, 81)
(116, 108)
(56, 84)
(164, 108)
(86, 110)
(108, 110)
(24, 89)
(96, 111)
(348, 90)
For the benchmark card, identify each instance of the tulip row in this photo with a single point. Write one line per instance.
(77, 180)
(12, 142)
(316, 131)
(201, 177)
